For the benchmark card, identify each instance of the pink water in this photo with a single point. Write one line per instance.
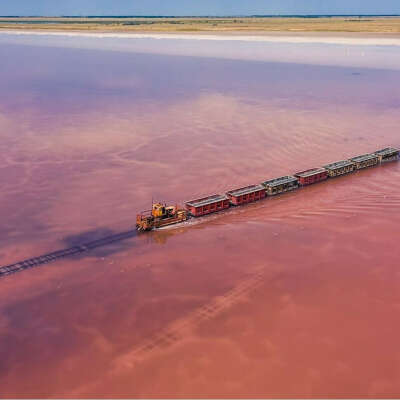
(295, 296)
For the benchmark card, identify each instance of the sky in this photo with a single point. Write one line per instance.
(196, 7)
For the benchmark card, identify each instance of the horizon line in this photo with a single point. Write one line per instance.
(201, 16)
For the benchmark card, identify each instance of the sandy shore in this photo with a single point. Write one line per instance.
(222, 26)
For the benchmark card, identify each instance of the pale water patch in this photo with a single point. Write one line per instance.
(368, 52)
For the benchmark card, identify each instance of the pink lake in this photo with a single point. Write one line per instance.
(295, 296)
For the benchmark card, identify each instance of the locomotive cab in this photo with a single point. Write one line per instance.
(159, 215)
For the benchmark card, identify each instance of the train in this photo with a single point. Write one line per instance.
(162, 215)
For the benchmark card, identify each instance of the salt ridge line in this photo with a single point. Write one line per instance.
(243, 38)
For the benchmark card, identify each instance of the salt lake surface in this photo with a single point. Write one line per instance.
(296, 296)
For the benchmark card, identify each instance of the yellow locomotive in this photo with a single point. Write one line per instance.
(160, 215)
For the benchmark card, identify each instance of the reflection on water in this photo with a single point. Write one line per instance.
(295, 296)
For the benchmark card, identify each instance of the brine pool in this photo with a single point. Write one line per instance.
(295, 296)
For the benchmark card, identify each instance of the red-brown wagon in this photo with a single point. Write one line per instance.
(310, 176)
(246, 194)
(207, 205)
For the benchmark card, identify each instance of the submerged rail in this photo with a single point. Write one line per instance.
(56, 255)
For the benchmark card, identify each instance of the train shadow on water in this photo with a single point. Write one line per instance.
(79, 245)
(92, 236)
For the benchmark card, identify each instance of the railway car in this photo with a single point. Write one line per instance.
(365, 161)
(340, 168)
(387, 154)
(311, 176)
(207, 205)
(246, 194)
(281, 185)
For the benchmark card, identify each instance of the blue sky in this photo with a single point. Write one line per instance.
(196, 7)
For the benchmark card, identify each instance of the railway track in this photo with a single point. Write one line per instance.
(71, 251)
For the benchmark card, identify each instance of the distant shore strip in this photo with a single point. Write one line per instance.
(299, 39)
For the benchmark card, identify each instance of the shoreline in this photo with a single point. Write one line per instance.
(245, 32)
(344, 38)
